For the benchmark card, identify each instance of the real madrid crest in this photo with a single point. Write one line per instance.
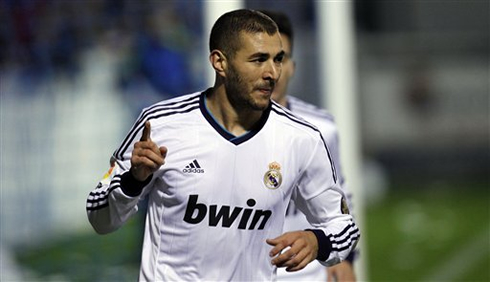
(273, 177)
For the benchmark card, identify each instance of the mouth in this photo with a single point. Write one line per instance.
(266, 89)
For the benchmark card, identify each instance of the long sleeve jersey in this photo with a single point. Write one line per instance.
(218, 197)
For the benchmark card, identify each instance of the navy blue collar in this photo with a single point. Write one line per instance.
(237, 140)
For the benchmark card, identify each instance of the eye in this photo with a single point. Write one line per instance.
(279, 58)
(259, 59)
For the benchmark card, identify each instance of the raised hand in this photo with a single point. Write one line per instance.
(293, 250)
(147, 157)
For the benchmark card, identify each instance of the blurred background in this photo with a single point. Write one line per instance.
(74, 75)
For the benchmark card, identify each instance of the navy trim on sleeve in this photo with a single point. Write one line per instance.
(351, 257)
(324, 244)
(131, 186)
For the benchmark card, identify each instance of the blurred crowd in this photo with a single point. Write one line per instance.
(44, 39)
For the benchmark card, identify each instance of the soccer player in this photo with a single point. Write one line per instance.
(220, 167)
(324, 121)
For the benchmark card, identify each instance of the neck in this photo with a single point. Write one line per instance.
(235, 119)
(283, 101)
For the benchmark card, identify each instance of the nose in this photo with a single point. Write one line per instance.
(273, 70)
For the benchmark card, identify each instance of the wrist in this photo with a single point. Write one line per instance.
(324, 244)
(351, 257)
(132, 186)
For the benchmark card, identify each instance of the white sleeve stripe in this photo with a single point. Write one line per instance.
(101, 196)
(351, 234)
(98, 200)
(343, 232)
(116, 179)
(345, 239)
(97, 206)
(346, 246)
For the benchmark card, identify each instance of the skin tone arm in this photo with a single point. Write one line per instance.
(341, 272)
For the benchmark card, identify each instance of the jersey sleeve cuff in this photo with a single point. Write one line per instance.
(131, 186)
(351, 257)
(324, 244)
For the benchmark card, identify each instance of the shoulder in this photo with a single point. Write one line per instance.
(321, 118)
(306, 109)
(292, 120)
(175, 112)
(172, 106)
(169, 109)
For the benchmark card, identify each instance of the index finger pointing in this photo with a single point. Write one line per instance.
(146, 132)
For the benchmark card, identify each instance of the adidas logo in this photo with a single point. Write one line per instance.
(193, 167)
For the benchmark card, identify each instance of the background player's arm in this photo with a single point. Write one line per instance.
(341, 272)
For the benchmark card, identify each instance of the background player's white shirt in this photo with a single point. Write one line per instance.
(295, 220)
(218, 197)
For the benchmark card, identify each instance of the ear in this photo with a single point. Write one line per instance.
(218, 62)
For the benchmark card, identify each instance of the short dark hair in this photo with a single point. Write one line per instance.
(283, 23)
(225, 34)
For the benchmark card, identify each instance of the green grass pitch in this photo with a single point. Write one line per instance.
(438, 234)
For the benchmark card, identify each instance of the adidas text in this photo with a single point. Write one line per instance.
(193, 170)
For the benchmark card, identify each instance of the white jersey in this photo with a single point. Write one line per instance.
(295, 220)
(218, 197)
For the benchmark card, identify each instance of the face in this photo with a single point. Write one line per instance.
(279, 94)
(252, 73)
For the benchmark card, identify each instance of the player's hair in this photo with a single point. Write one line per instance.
(283, 23)
(225, 34)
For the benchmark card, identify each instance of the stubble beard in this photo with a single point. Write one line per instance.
(238, 95)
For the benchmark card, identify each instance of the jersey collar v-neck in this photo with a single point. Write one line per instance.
(237, 140)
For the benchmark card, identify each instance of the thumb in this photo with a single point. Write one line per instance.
(146, 132)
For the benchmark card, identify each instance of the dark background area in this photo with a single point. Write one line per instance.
(74, 75)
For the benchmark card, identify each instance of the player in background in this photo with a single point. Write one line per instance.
(343, 271)
(220, 167)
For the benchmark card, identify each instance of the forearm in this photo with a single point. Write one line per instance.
(114, 201)
(342, 272)
(335, 244)
(336, 232)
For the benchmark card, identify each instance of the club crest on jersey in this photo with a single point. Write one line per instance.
(273, 177)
